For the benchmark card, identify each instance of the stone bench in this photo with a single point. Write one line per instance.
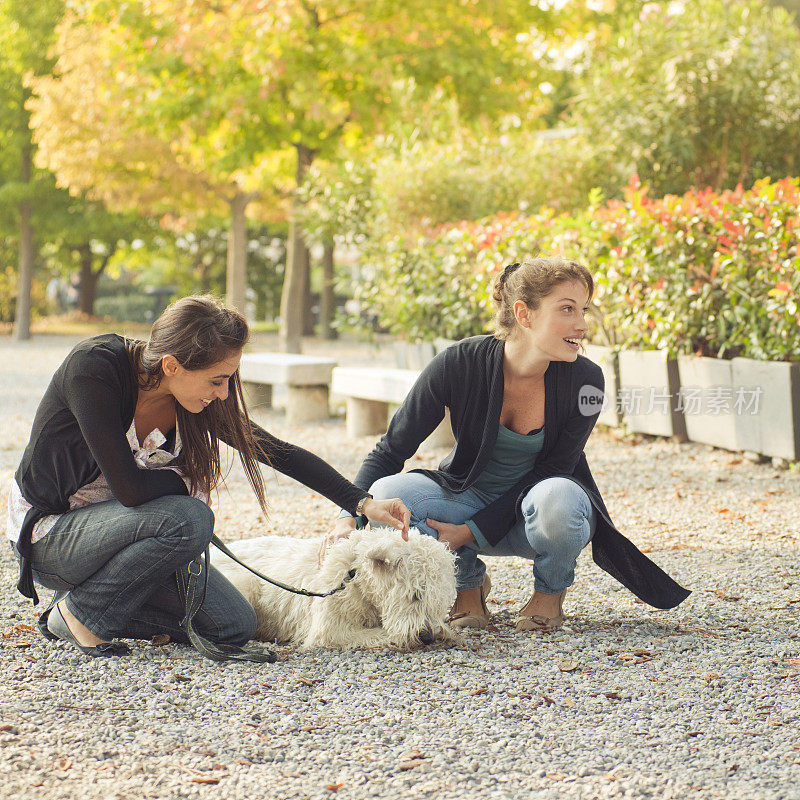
(307, 379)
(369, 393)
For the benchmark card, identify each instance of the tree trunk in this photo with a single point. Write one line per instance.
(308, 311)
(22, 316)
(22, 320)
(236, 276)
(293, 293)
(327, 298)
(88, 281)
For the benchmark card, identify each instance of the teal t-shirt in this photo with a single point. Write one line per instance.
(514, 454)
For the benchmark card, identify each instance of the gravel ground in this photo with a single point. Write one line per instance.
(625, 701)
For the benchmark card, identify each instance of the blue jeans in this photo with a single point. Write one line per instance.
(118, 566)
(558, 520)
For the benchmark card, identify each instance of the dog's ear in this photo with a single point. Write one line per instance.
(381, 564)
(379, 556)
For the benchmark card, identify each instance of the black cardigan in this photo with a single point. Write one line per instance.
(467, 378)
(80, 431)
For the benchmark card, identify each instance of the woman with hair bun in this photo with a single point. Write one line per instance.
(109, 504)
(517, 482)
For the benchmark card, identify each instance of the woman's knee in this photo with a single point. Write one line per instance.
(410, 487)
(389, 486)
(558, 509)
(191, 519)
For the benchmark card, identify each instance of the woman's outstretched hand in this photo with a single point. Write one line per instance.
(454, 536)
(391, 512)
(386, 512)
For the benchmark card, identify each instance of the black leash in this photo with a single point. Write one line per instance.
(220, 545)
(193, 603)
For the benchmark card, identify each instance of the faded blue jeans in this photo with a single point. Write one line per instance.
(558, 520)
(118, 566)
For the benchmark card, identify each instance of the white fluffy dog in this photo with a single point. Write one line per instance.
(399, 598)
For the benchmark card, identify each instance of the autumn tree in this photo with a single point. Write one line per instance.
(26, 31)
(179, 107)
(145, 110)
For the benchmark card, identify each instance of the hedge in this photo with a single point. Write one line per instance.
(707, 273)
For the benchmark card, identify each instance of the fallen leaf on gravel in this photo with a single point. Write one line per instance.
(694, 733)
(734, 461)
(568, 666)
(181, 678)
(548, 700)
(612, 695)
(730, 598)
(309, 681)
(476, 692)
(711, 676)
(414, 762)
(65, 764)
(205, 779)
(334, 787)
(17, 629)
(555, 776)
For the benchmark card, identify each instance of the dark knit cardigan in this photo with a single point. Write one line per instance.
(79, 431)
(467, 378)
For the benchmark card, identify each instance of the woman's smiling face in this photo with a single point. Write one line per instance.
(559, 324)
(197, 388)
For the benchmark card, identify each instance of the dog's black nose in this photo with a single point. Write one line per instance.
(426, 636)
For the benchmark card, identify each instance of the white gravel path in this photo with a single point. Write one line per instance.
(625, 701)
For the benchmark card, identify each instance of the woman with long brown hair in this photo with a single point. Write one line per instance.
(109, 504)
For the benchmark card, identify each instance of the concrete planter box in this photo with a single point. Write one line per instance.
(606, 359)
(648, 393)
(767, 407)
(413, 355)
(707, 400)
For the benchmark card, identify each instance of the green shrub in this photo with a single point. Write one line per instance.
(705, 272)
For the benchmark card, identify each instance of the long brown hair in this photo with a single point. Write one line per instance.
(200, 332)
(531, 281)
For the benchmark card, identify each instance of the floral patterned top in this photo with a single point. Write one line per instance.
(148, 455)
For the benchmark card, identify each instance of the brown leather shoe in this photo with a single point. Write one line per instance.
(536, 622)
(460, 619)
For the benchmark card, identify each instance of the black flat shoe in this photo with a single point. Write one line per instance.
(57, 626)
(45, 616)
